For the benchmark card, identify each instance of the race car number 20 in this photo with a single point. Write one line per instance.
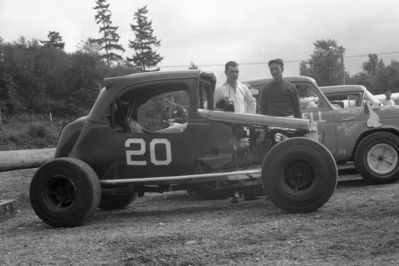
(160, 152)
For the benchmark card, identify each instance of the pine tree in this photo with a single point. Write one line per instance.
(89, 46)
(145, 57)
(54, 40)
(109, 40)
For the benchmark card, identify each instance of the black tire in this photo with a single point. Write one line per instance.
(299, 175)
(377, 157)
(64, 192)
(116, 202)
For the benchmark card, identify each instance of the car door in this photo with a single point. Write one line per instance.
(351, 121)
(315, 106)
(151, 147)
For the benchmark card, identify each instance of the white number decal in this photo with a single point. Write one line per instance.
(168, 158)
(141, 151)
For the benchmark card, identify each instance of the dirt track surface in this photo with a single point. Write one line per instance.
(358, 226)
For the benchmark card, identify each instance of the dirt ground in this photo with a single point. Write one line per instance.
(358, 226)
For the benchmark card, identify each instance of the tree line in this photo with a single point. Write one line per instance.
(326, 66)
(38, 76)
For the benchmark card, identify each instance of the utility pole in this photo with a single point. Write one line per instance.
(341, 50)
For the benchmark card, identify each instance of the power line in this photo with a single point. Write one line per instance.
(285, 61)
(362, 55)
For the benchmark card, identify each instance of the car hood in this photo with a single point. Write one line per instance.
(256, 119)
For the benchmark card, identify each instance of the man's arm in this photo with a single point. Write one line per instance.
(218, 95)
(164, 118)
(181, 114)
(295, 101)
(263, 100)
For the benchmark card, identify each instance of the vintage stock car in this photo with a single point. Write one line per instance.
(349, 96)
(122, 149)
(353, 125)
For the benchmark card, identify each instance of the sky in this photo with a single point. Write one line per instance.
(212, 32)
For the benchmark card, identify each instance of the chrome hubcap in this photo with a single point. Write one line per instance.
(382, 158)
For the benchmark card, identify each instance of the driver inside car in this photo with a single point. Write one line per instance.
(172, 112)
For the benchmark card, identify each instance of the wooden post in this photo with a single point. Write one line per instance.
(7, 209)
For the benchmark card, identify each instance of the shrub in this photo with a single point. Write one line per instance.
(28, 131)
(37, 130)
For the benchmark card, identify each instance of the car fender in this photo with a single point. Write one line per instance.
(392, 129)
(68, 137)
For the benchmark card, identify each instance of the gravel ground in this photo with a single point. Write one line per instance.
(358, 226)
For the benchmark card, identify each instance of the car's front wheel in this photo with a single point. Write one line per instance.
(299, 175)
(377, 157)
(64, 192)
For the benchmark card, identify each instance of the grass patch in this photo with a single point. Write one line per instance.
(30, 131)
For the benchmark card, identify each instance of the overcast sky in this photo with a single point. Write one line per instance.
(211, 32)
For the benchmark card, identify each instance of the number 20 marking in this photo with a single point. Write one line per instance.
(141, 151)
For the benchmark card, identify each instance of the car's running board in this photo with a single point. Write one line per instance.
(197, 178)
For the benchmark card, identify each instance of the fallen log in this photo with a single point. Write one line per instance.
(24, 159)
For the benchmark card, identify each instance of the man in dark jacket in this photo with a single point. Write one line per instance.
(279, 97)
(172, 112)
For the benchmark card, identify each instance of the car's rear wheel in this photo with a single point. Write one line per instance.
(64, 192)
(377, 157)
(299, 175)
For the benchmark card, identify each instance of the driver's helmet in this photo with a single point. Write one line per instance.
(226, 104)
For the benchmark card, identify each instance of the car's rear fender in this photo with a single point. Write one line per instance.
(68, 137)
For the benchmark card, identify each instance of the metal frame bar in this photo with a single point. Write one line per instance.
(196, 178)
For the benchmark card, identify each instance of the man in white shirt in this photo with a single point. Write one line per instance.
(242, 97)
(239, 94)
(388, 100)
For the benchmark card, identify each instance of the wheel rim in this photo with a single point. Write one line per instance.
(382, 158)
(59, 193)
(299, 178)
